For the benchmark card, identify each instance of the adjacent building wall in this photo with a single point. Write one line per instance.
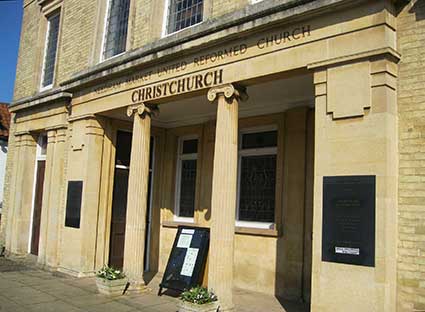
(7, 182)
(411, 113)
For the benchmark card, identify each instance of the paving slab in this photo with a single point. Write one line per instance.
(25, 287)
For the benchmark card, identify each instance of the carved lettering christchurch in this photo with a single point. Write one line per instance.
(177, 86)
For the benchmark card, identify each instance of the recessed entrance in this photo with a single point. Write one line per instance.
(38, 194)
(119, 201)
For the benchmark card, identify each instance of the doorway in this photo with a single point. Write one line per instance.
(40, 168)
(119, 201)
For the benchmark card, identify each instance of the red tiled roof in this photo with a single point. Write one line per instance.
(4, 121)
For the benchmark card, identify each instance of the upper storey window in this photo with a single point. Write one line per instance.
(51, 48)
(116, 28)
(184, 13)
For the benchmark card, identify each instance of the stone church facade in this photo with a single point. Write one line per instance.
(293, 130)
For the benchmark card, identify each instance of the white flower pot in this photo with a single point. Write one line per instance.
(111, 288)
(184, 306)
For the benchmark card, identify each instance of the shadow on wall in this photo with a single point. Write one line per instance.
(294, 247)
(418, 9)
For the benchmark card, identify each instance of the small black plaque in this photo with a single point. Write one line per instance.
(73, 204)
(187, 260)
(348, 233)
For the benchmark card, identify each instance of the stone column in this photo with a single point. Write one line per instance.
(45, 210)
(57, 193)
(220, 270)
(134, 246)
(12, 191)
(23, 193)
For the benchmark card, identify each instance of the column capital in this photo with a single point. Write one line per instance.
(142, 109)
(228, 90)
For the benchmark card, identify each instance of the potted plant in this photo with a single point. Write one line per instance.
(198, 299)
(110, 281)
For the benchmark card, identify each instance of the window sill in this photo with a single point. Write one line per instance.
(238, 229)
(256, 231)
(175, 224)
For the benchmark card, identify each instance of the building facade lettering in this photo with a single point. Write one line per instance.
(217, 57)
(177, 86)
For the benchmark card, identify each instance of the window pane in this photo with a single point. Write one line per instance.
(51, 48)
(116, 33)
(190, 147)
(42, 142)
(257, 188)
(259, 140)
(123, 148)
(184, 13)
(187, 188)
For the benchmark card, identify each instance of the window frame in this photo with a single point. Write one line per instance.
(166, 17)
(48, 17)
(263, 151)
(180, 158)
(105, 33)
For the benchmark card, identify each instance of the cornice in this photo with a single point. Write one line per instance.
(42, 98)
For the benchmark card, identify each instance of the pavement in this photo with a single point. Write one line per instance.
(24, 287)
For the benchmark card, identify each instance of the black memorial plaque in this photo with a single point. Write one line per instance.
(186, 263)
(73, 204)
(348, 233)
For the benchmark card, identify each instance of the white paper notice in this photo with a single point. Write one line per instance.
(347, 251)
(188, 231)
(189, 261)
(184, 241)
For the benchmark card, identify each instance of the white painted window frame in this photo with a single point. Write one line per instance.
(180, 158)
(105, 28)
(39, 157)
(166, 16)
(149, 229)
(46, 39)
(253, 152)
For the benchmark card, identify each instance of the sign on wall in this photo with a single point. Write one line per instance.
(186, 263)
(348, 230)
(73, 204)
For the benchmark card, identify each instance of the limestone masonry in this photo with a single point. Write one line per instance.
(293, 130)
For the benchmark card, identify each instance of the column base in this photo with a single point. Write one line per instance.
(137, 286)
(226, 307)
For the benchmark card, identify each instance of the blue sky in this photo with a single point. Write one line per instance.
(10, 28)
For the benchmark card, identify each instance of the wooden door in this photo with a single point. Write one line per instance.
(38, 202)
(119, 211)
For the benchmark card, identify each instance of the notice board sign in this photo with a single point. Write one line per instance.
(348, 229)
(186, 263)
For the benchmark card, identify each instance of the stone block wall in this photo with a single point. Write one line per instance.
(221, 7)
(411, 112)
(77, 37)
(25, 84)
